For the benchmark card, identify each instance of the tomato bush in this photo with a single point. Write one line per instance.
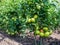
(18, 15)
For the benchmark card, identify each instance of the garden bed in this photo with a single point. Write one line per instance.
(5, 39)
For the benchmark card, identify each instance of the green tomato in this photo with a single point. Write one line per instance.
(38, 6)
(46, 34)
(45, 29)
(32, 19)
(29, 20)
(37, 32)
(42, 34)
(35, 16)
(42, 4)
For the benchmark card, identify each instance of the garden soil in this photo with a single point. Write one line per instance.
(16, 40)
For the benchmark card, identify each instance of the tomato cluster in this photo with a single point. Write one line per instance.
(32, 19)
(45, 32)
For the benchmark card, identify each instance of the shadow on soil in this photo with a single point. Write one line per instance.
(31, 41)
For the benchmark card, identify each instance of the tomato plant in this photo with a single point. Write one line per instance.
(18, 15)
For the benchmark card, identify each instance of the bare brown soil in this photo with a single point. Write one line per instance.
(16, 40)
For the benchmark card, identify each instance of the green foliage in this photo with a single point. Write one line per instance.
(18, 15)
(9, 11)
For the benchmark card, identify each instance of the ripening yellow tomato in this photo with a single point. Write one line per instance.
(41, 30)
